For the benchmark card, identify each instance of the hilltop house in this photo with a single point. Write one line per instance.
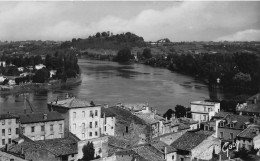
(203, 111)
(9, 128)
(42, 126)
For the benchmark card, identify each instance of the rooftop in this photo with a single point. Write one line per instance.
(204, 103)
(221, 114)
(189, 140)
(147, 154)
(159, 145)
(250, 132)
(108, 112)
(8, 116)
(59, 147)
(136, 106)
(250, 108)
(238, 120)
(149, 118)
(72, 103)
(39, 117)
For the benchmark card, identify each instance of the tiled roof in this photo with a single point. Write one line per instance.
(221, 114)
(239, 120)
(147, 154)
(8, 116)
(58, 147)
(120, 143)
(249, 132)
(159, 145)
(183, 126)
(204, 103)
(108, 112)
(71, 103)
(39, 117)
(188, 141)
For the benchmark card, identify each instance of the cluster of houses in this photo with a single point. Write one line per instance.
(64, 131)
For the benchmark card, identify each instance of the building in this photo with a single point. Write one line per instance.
(82, 118)
(194, 145)
(2, 64)
(42, 126)
(231, 126)
(108, 121)
(251, 107)
(62, 149)
(203, 111)
(9, 128)
(245, 139)
(39, 66)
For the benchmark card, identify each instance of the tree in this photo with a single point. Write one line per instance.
(41, 76)
(124, 55)
(180, 111)
(147, 53)
(98, 34)
(168, 114)
(88, 152)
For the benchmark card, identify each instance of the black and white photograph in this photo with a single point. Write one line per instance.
(129, 80)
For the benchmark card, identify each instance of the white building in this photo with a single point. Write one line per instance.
(39, 66)
(9, 127)
(82, 118)
(203, 111)
(108, 121)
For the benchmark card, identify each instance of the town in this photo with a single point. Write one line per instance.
(75, 129)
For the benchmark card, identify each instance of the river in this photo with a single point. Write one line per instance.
(110, 83)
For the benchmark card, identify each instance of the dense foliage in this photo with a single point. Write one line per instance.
(124, 55)
(88, 152)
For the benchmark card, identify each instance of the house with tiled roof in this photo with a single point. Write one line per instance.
(108, 121)
(189, 144)
(9, 128)
(42, 150)
(164, 150)
(147, 153)
(42, 126)
(251, 107)
(232, 125)
(247, 137)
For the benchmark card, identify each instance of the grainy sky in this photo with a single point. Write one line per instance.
(178, 21)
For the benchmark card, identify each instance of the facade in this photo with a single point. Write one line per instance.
(9, 126)
(42, 126)
(108, 121)
(203, 111)
(231, 126)
(82, 118)
(245, 139)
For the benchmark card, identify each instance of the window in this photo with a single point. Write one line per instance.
(96, 124)
(83, 113)
(3, 132)
(204, 109)
(206, 128)
(96, 133)
(209, 110)
(83, 126)
(74, 125)
(126, 129)
(32, 129)
(60, 127)
(17, 131)
(51, 127)
(42, 128)
(204, 116)
(90, 125)
(9, 141)
(3, 122)
(105, 128)
(83, 135)
(96, 112)
(9, 131)
(91, 114)
(173, 157)
(90, 133)
(221, 134)
(182, 159)
(72, 155)
(3, 141)
(23, 130)
(74, 115)
(231, 136)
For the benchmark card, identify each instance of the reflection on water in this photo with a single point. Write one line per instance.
(110, 82)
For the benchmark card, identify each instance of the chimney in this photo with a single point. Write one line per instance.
(45, 116)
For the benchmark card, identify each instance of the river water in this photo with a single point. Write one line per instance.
(110, 83)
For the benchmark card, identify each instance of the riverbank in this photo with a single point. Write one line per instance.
(30, 87)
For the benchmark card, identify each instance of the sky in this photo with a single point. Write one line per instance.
(153, 20)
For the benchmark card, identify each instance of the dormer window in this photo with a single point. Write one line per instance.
(231, 125)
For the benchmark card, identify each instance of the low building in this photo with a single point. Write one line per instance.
(245, 139)
(203, 111)
(42, 126)
(251, 107)
(191, 145)
(232, 125)
(52, 150)
(4, 156)
(9, 128)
